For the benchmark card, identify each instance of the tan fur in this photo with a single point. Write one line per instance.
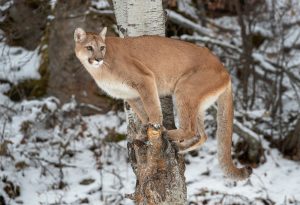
(144, 68)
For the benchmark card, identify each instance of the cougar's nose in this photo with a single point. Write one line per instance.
(98, 59)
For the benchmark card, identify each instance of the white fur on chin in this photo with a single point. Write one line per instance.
(96, 64)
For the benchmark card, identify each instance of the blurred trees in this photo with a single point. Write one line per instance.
(291, 143)
(67, 76)
(25, 22)
(33, 24)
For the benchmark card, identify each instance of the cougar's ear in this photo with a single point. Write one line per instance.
(103, 33)
(79, 35)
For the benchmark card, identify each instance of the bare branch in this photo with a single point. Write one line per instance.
(211, 41)
(186, 23)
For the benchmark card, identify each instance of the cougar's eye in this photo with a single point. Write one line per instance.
(89, 48)
(102, 48)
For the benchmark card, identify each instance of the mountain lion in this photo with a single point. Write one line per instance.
(140, 69)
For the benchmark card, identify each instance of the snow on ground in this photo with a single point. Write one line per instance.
(5, 5)
(18, 64)
(64, 160)
(277, 180)
(100, 4)
(57, 156)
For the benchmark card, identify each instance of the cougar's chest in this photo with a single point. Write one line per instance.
(117, 89)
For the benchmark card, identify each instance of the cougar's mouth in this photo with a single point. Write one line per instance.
(95, 63)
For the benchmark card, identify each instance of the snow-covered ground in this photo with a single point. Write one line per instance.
(56, 156)
(18, 64)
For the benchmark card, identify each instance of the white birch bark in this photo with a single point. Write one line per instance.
(140, 17)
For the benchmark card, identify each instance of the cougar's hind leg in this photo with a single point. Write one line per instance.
(201, 137)
(197, 89)
(187, 114)
(201, 126)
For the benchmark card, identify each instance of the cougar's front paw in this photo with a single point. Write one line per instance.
(156, 126)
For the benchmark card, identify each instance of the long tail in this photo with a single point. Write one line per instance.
(224, 137)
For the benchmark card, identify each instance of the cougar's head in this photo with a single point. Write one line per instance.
(90, 48)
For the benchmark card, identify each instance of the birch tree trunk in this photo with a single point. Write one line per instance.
(155, 162)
